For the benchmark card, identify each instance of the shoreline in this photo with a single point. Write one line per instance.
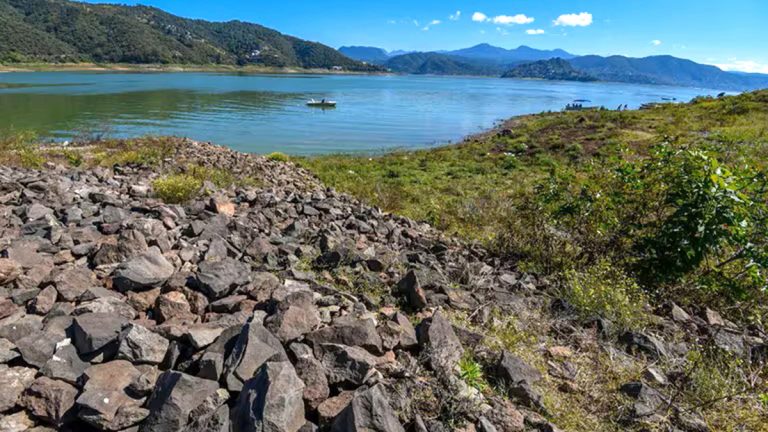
(155, 68)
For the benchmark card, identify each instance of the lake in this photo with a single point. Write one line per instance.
(266, 113)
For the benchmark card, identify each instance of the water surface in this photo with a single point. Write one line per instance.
(265, 113)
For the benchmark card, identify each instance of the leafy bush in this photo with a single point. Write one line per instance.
(603, 290)
(278, 157)
(177, 188)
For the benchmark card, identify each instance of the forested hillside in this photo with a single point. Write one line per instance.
(65, 31)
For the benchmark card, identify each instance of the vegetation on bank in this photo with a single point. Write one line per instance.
(627, 213)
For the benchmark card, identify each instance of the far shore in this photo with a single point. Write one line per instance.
(127, 67)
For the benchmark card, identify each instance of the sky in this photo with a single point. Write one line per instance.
(732, 34)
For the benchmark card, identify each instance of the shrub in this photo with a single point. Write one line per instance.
(278, 157)
(177, 188)
(472, 372)
(603, 290)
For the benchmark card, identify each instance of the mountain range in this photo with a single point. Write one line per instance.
(66, 31)
(527, 62)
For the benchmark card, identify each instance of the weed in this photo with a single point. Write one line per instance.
(472, 372)
(278, 157)
(177, 188)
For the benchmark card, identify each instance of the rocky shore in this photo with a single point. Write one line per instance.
(281, 307)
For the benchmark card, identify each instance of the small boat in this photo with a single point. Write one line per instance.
(321, 104)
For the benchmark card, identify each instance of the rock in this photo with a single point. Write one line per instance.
(17, 422)
(332, 407)
(350, 331)
(38, 347)
(443, 348)
(38, 211)
(49, 400)
(271, 401)
(65, 364)
(176, 395)
(411, 287)
(202, 335)
(10, 270)
(172, 305)
(345, 364)
(560, 352)
(139, 345)
(255, 346)
(7, 308)
(645, 343)
(73, 282)
(95, 331)
(13, 381)
(296, 316)
(222, 205)
(107, 305)
(369, 411)
(312, 373)
(485, 425)
(655, 376)
(217, 279)
(648, 400)
(679, 315)
(20, 325)
(105, 402)
(211, 366)
(8, 351)
(518, 378)
(713, 318)
(144, 271)
(43, 303)
(212, 415)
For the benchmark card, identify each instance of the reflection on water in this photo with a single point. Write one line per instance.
(264, 113)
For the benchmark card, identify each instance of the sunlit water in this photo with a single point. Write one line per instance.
(266, 113)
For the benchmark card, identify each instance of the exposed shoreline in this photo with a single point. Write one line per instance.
(125, 67)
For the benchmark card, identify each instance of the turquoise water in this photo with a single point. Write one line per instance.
(266, 113)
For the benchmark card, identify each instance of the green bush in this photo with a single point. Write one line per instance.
(472, 372)
(177, 188)
(278, 157)
(604, 290)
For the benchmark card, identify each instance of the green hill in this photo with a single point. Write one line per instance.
(440, 64)
(554, 69)
(65, 31)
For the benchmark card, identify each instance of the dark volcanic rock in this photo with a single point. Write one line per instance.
(65, 365)
(271, 401)
(94, 331)
(410, 286)
(13, 381)
(142, 272)
(49, 400)
(139, 345)
(350, 331)
(254, 347)
(442, 346)
(176, 395)
(369, 411)
(217, 279)
(296, 316)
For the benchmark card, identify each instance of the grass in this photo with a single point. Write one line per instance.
(177, 188)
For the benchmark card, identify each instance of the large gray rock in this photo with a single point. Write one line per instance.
(65, 365)
(441, 344)
(212, 415)
(13, 381)
(8, 351)
(254, 347)
(410, 286)
(10, 270)
(73, 282)
(369, 411)
(107, 305)
(345, 364)
(144, 271)
(271, 401)
(49, 400)
(105, 402)
(38, 347)
(518, 378)
(139, 345)
(176, 395)
(296, 316)
(217, 279)
(648, 401)
(95, 331)
(349, 331)
(312, 373)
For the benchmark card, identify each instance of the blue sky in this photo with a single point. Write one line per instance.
(730, 33)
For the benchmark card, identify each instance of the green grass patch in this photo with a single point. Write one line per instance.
(177, 188)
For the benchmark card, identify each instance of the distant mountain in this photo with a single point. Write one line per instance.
(440, 64)
(502, 55)
(366, 54)
(666, 70)
(553, 69)
(66, 31)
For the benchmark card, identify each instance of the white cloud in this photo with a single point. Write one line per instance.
(479, 17)
(656, 42)
(391, 22)
(502, 31)
(513, 19)
(435, 22)
(456, 16)
(574, 20)
(744, 66)
(534, 31)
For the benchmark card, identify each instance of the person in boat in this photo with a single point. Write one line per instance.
(322, 101)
